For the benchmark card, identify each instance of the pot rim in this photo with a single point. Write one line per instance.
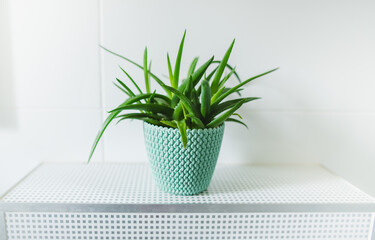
(218, 128)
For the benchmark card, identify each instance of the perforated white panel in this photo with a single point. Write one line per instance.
(188, 226)
(127, 183)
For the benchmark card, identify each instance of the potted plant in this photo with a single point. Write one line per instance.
(184, 127)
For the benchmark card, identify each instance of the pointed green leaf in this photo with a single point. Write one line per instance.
(195, 99)
(220, 70)
(211, 74)
(230, 68)
(176, 74)
(187, 103)
(192, 66)
(198, 74)
(238, 91)
(171, 124)
(219, 120)
(107, 121)
(131, 79)
(197, 122)
(184, 110)
(126, 87)
(233, 89)
(181, 88)
(182, 127)
(225, 79)
(151, 98)
(238, 115)
(189, 87)
(139, 116)
(139, 97)
(208, 78)
(237, 121)
(217, 94)
(219, 108)
(145, 70)
(151, 107)
(155, 122)
(123, 90)
(160, 82)
(205, 97)
(178, 112)
(170, 70)
(101, 131)
(120, 56)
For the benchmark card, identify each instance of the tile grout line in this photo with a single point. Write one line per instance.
(101, 73)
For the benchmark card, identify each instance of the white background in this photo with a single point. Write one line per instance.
(318, 108)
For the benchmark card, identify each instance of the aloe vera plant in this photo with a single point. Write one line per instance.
(195, 102)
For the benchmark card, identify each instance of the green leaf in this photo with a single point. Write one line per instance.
(107, 121)
(151, 107)
(192, 66)
(139, 116)
(230, 68)
(139, 66)
(217, 94)
(139, 97)
(155, 122)
(101, 131)
(238, 115)
(184, 110)
(197, 122)
(151, 98)
(237, 121)
(238, 91)
(171, 124)
(208, 78)
(205, 98)
(126, 87)
(170, 70)
(211, 74)
(216, 122)
(197, 75)
(195, 99)
(120, 56)
(123, 90)
(160, 82)
(176, 74)
(149, 69)
(189, 87)
(220, 70)
(181, 88)
(219, 108)
(178, 112)
(187, 103)
(233, 89)
(147, 79)
(225, 79)
(131, 79)
(182, 127)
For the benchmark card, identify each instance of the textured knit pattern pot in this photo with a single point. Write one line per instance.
(182, 171)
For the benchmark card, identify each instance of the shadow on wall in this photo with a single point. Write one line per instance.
(7, 102)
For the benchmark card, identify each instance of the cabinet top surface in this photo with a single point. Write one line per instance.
(117, 183)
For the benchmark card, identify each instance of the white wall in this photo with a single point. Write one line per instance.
(319, 107)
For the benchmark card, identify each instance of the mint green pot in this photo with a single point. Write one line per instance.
(182, 171)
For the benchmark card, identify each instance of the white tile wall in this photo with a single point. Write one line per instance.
(55, 53)
(53, 108)
(317, 108)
